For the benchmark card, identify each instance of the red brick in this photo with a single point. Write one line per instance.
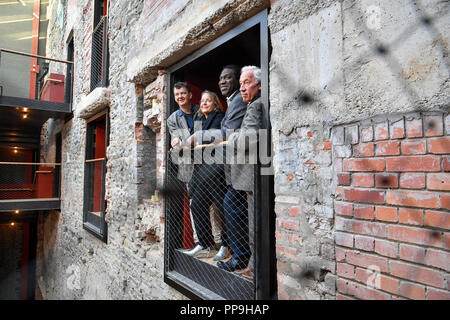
(412, 253)
(447, 241)
(288, 224)
(386, 248)
(326, 145)
(365, 293)
(439, 145)
(294, 211)
(415, 235)
(343, 208)
(364, 164)
(388, 148)
(344, 239)
(414, 147)
(365, 260)
(386, 214)
(367, 134)
(340, 254)
(343, 179)
(410, 216)
(364, 212)
(397, 130)
(433, 126)
(341, 286)
(438, 181)
(435, 294)
(422, 199)
(414, 128)
(412, 180)
(417, 274)
(364, 243)
(446, 163)
(362, 275)
(386, 180)
(413, 163)
(363, 180)
(381, 131)
(388, 284)
(364, 150)
(361, 227)
(445, 201)
(412, 291)
(345, 270)
(371, 196)
(437, 219)
(438, 259)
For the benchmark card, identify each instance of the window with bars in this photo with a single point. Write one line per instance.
(100, 51)
(97, 138)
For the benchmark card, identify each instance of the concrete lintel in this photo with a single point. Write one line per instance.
(93, 103)
(143, 68)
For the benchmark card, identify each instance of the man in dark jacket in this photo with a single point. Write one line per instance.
(236, 208)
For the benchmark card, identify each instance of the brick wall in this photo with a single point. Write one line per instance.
(391, 208)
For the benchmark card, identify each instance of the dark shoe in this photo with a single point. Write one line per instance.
(232, 264)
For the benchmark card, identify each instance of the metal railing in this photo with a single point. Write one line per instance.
(29, 76)
(29, 180)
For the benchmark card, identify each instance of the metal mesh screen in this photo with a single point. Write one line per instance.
(99, 58)
(209, 225)
(28, 180)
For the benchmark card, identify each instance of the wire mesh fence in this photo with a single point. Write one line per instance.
(23, 180)
(210, 224)
(100, 56)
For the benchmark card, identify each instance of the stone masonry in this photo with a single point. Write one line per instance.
(360, 129)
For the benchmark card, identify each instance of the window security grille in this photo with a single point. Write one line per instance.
(197, 214)
(100, 55)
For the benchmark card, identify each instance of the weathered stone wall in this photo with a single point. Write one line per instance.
(333, 64)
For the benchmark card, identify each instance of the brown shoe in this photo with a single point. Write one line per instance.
(247, 273)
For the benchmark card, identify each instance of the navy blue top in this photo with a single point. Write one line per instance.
(189, 117)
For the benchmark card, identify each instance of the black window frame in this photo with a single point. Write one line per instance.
(100, 231)
(265, 265)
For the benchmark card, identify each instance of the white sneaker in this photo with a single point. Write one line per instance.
(222, 254)
(205, 253)
(196, 249)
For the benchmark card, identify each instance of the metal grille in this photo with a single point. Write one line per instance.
(100, 55)
(205, 211)
(22, 180)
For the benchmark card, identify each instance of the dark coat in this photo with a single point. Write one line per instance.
(207, 176)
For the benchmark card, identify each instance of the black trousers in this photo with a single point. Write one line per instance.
(207, 186)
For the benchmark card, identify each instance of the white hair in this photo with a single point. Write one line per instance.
(256, 72)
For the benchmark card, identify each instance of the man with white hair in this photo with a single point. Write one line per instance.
(236, 213)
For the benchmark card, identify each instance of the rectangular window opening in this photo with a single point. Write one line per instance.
(100, 50)
(97, 138)
(200, 277)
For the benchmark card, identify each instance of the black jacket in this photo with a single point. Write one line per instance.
(205, 175)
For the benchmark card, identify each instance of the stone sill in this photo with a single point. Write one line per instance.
(93, 103)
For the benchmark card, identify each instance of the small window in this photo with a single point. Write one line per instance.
(94, 178)
(100, 51)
